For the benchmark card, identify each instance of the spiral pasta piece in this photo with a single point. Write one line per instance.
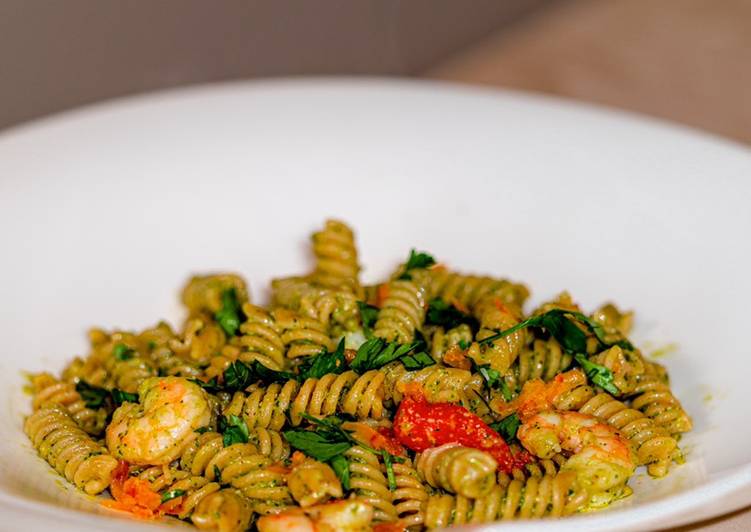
(410, 494)
(336, 257)
(203, 293)
(335, 309)
(458, 469)
(201, 340)
(49, 391)
(270, 443)
(302, 336)
(551, 495)
(469, 290)
(655, 399)
(194, 487)
(369, 483)
(69, 450)
(261, 481)
(312, 482)
(442, 342)
(359, 396)
(439, 384)
(500, 353)
(225, 510)
(261, 339)
(543, 359)
(403, 310)
(654, 446)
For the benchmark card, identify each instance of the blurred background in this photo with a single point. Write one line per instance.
(684, 60)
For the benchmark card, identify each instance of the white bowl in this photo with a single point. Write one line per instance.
(104, 212)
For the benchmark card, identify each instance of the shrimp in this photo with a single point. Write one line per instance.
(156, 431)
(601, 457)
(340, 516)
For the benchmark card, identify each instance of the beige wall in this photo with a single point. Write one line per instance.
(57, 54)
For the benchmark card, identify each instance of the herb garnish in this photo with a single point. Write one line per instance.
(599, 375)
(368, 317)
(495, 381)
(416, 260)
(96, 397)
(448, 316)
(230, 315)
(324, 363)
(558, 322)
(507, 427)
(122, 352)
(376, 353)
(172, 494)
(233, 430)
(328, 442)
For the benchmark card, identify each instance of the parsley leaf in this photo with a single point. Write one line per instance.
(202, 430)
(211, 386)
(122, 352)
(389, 469)
(233, 430)
(237, 376)
(416, 260)
(599, 375)
(376, 353)
(448, 316)
(119, 397)
(230, 315)
(507, 427)
(340, 465)
(417, 361)
(558, 323)
(322, 364)
(320, 445)
(93, 396)
(368, 317)
(96, 397)
(172, 494)
(495, 381)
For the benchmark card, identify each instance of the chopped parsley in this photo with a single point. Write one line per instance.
(233, 430)
(122, 352)
(172, 494)
(416, 259)
(368, 317)
(507, 427)
(230, 316)
(448, 316)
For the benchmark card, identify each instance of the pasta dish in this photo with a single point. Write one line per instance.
(430, 399)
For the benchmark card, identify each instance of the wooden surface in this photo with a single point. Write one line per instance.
(684, 60)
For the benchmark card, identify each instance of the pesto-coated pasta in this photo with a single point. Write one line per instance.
(369, 482)
(68, 449)
(336, 257)
(48, 391)
(348, 393)
(223, 511)
(549, 496)
(458, 469)
(425, 400)
(403, 309)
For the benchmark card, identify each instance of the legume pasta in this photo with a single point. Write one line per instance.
(430, 399)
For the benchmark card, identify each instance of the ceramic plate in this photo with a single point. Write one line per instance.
(104, 212)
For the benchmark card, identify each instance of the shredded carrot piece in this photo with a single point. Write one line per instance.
(456, 357)
(396, 526)
(459, 306)
(382, 294)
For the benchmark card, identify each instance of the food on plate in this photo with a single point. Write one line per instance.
(429, 399)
